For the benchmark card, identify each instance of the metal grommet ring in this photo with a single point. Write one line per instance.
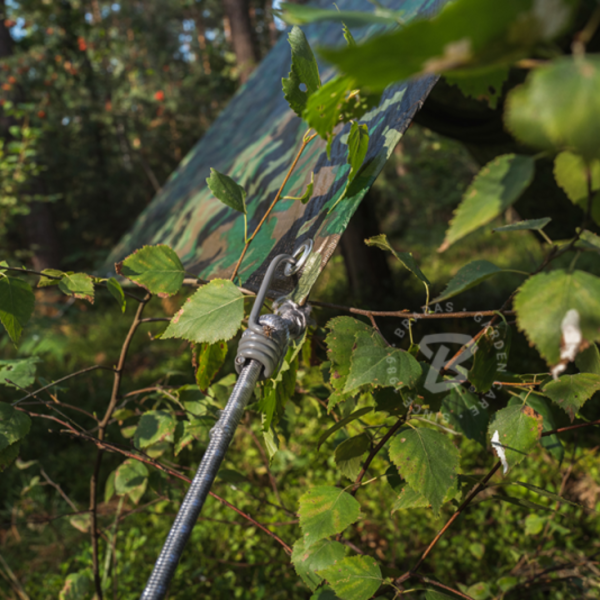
(303, 251)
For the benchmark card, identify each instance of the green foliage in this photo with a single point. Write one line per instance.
(155, 268)
(324, 511)
(408, 498)
(406, 259)
(528, 225)
(485, 84)
(131, 478)
(116, 291)
(16, 305)
(467, 277)
(309, 560)
(379, 365)
(79, 285)
(354, 577)
(348, 455)
(461, 35)
(212, 314)
(428, 460)
(210, 360)
(514, 431)
(557, 292)
(77, 586)
(154, 426)
(358, 144)
(14, 426)
(303, 80)
(466, 414)
(571, 392)
(227, 191)
(297, 14)
(567, 121)
(18, 373)
(494, 189)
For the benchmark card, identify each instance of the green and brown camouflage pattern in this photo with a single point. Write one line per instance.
(254, 141)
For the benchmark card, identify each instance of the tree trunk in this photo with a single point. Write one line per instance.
(242, 36)
(369, 275)
(40, 233)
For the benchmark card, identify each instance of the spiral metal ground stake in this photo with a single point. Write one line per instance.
(260, 354)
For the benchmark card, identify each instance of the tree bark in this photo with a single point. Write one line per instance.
(242, 36)
(369, 275)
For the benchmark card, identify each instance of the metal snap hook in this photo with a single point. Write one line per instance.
(303, 252)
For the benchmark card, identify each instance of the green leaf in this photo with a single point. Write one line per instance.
(540, 114)
(338, 101)
(570, 172)
(196, 429)
(496, 187)
(466, 413)
(296, 14)
(514, 431)
(307, 195)
(116, 291)
(408, 498)
(227, 190)
(464, 33)
(529, 225)
(324, 511)
(348, 455)
(343, 422)
(588, 361)
(324, 593)
(469, 276)
(79, 285)
(571, 392)
(543, 301)
(16, 305)
(435, 595)
(491, 357)
(210, 360)
(591, 240)
(354, 577)
(534, 524)
(307, 561)
(212, 314)
(406, 258)
(358, 144)
(378, 365)
(131, 478)
(109, 487)
(20, 371)
(8, 455)
(340, 342)
(552, 442)
(303, 79)
(14, 425)
(50, 277)
(154, 426)
(155, 268)
(77, 586)
(428, 461)
(485, 84)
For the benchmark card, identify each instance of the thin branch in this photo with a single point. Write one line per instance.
(65, 378)
(101, 432)
(478, 488)
(305, 141)
(391, 431)
(570, 428)
(440, 585)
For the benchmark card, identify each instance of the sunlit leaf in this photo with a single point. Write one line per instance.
(212, 314)
(210, 359)
(14, 425)
(405, 258)
(19, 371)
(324, 511)
(483, 84)
(116, 291)
(155, 268)
(131, 478)
(529, 225)
(80, 285)
(543, 301)
(496, 187)
(571, 392)
(348, 455)
(428, 461)
(154, 426)
(303, 79)
(307, 561)
(354, 577)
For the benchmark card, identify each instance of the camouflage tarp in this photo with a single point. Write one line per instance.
(254, 140)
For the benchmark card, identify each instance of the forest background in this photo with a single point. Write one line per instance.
(100, 102)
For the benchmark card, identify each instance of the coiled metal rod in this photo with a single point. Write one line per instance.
(220, 437)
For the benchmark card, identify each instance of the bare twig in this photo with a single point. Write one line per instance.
(101, 432)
